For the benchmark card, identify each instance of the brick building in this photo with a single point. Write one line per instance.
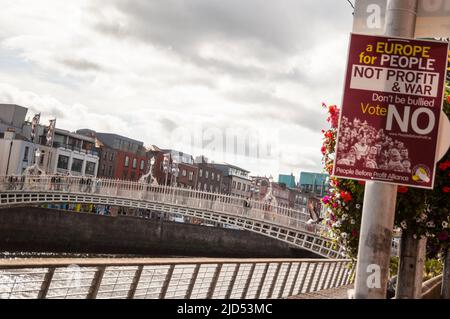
(235, 180)
(187, 174)
(120, 157)
(209, 178)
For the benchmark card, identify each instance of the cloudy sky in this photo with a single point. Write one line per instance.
(241, 81)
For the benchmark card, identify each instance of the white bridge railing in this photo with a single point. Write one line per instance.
(17, 190)
(185, 278)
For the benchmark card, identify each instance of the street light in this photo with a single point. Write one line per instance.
(37, 156)
(166, 167)
(149, 174)
(175, 171)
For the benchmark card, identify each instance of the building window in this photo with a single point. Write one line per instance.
(239, 186)
(248, 188)
(134, 162)
(234, 184)
(111, 156)
(211, 188)
(127, 161)
(218, 177)
(205, 187)
(212, 175)
(191, 176)
(105, 155)
(110, 172)
(25, 154)
(200, 173)
(217, 189)
(206, 174)
(90, 168)
(63, 162)
(142, 165)
(103, 170)
(77, 165)
(183, 172)
(199, 186)
(41, 161)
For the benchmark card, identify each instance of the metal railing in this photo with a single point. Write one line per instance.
(197, 278)
(279, 222)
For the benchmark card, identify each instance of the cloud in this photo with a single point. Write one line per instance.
(81, 64)
(147, 68)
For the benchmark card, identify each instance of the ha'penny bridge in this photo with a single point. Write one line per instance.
(170, 278)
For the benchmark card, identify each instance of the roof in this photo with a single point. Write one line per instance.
(223, 165)
(108, 139)
(310, 178)
(75, 135)
(289, 180)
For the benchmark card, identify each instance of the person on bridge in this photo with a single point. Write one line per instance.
(313, 213)
(247, 206)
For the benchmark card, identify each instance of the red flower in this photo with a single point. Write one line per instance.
(362, 182)
(446, 189)
(443, 166)
(355, 233)
(346, 196)
(448, 99)
(323, 149)
(329, 135)
(443, 236)
(402, 189)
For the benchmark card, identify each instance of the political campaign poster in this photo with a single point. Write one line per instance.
(392, 103)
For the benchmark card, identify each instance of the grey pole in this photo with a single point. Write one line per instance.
(445, 289)
(372, 269)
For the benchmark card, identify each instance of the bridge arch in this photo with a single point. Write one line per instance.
(277, 222)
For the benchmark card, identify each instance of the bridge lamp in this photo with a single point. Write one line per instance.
(37, 156)
(175, 171)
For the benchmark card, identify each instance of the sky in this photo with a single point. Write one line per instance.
(238, 81)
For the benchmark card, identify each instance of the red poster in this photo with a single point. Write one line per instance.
(391, 106)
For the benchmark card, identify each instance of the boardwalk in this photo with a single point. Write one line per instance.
(332, 293)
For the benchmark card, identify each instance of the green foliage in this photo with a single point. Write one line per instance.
(433, 268)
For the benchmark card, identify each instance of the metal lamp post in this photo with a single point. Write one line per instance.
(149, 174)
(166, 167)
(174, 170)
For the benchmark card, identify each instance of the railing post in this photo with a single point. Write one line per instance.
(166, 283)
(232, 281)
(319, 277)
(337, 270)
(331, 275)
(274, 280)
(135, 282)
(291, 291)
(249, 279)
(214, 280)
(305, 275)
(46, 283)
(263, 279)
(286, 276)
(95, 285)
(192, 282)
(311, 278)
